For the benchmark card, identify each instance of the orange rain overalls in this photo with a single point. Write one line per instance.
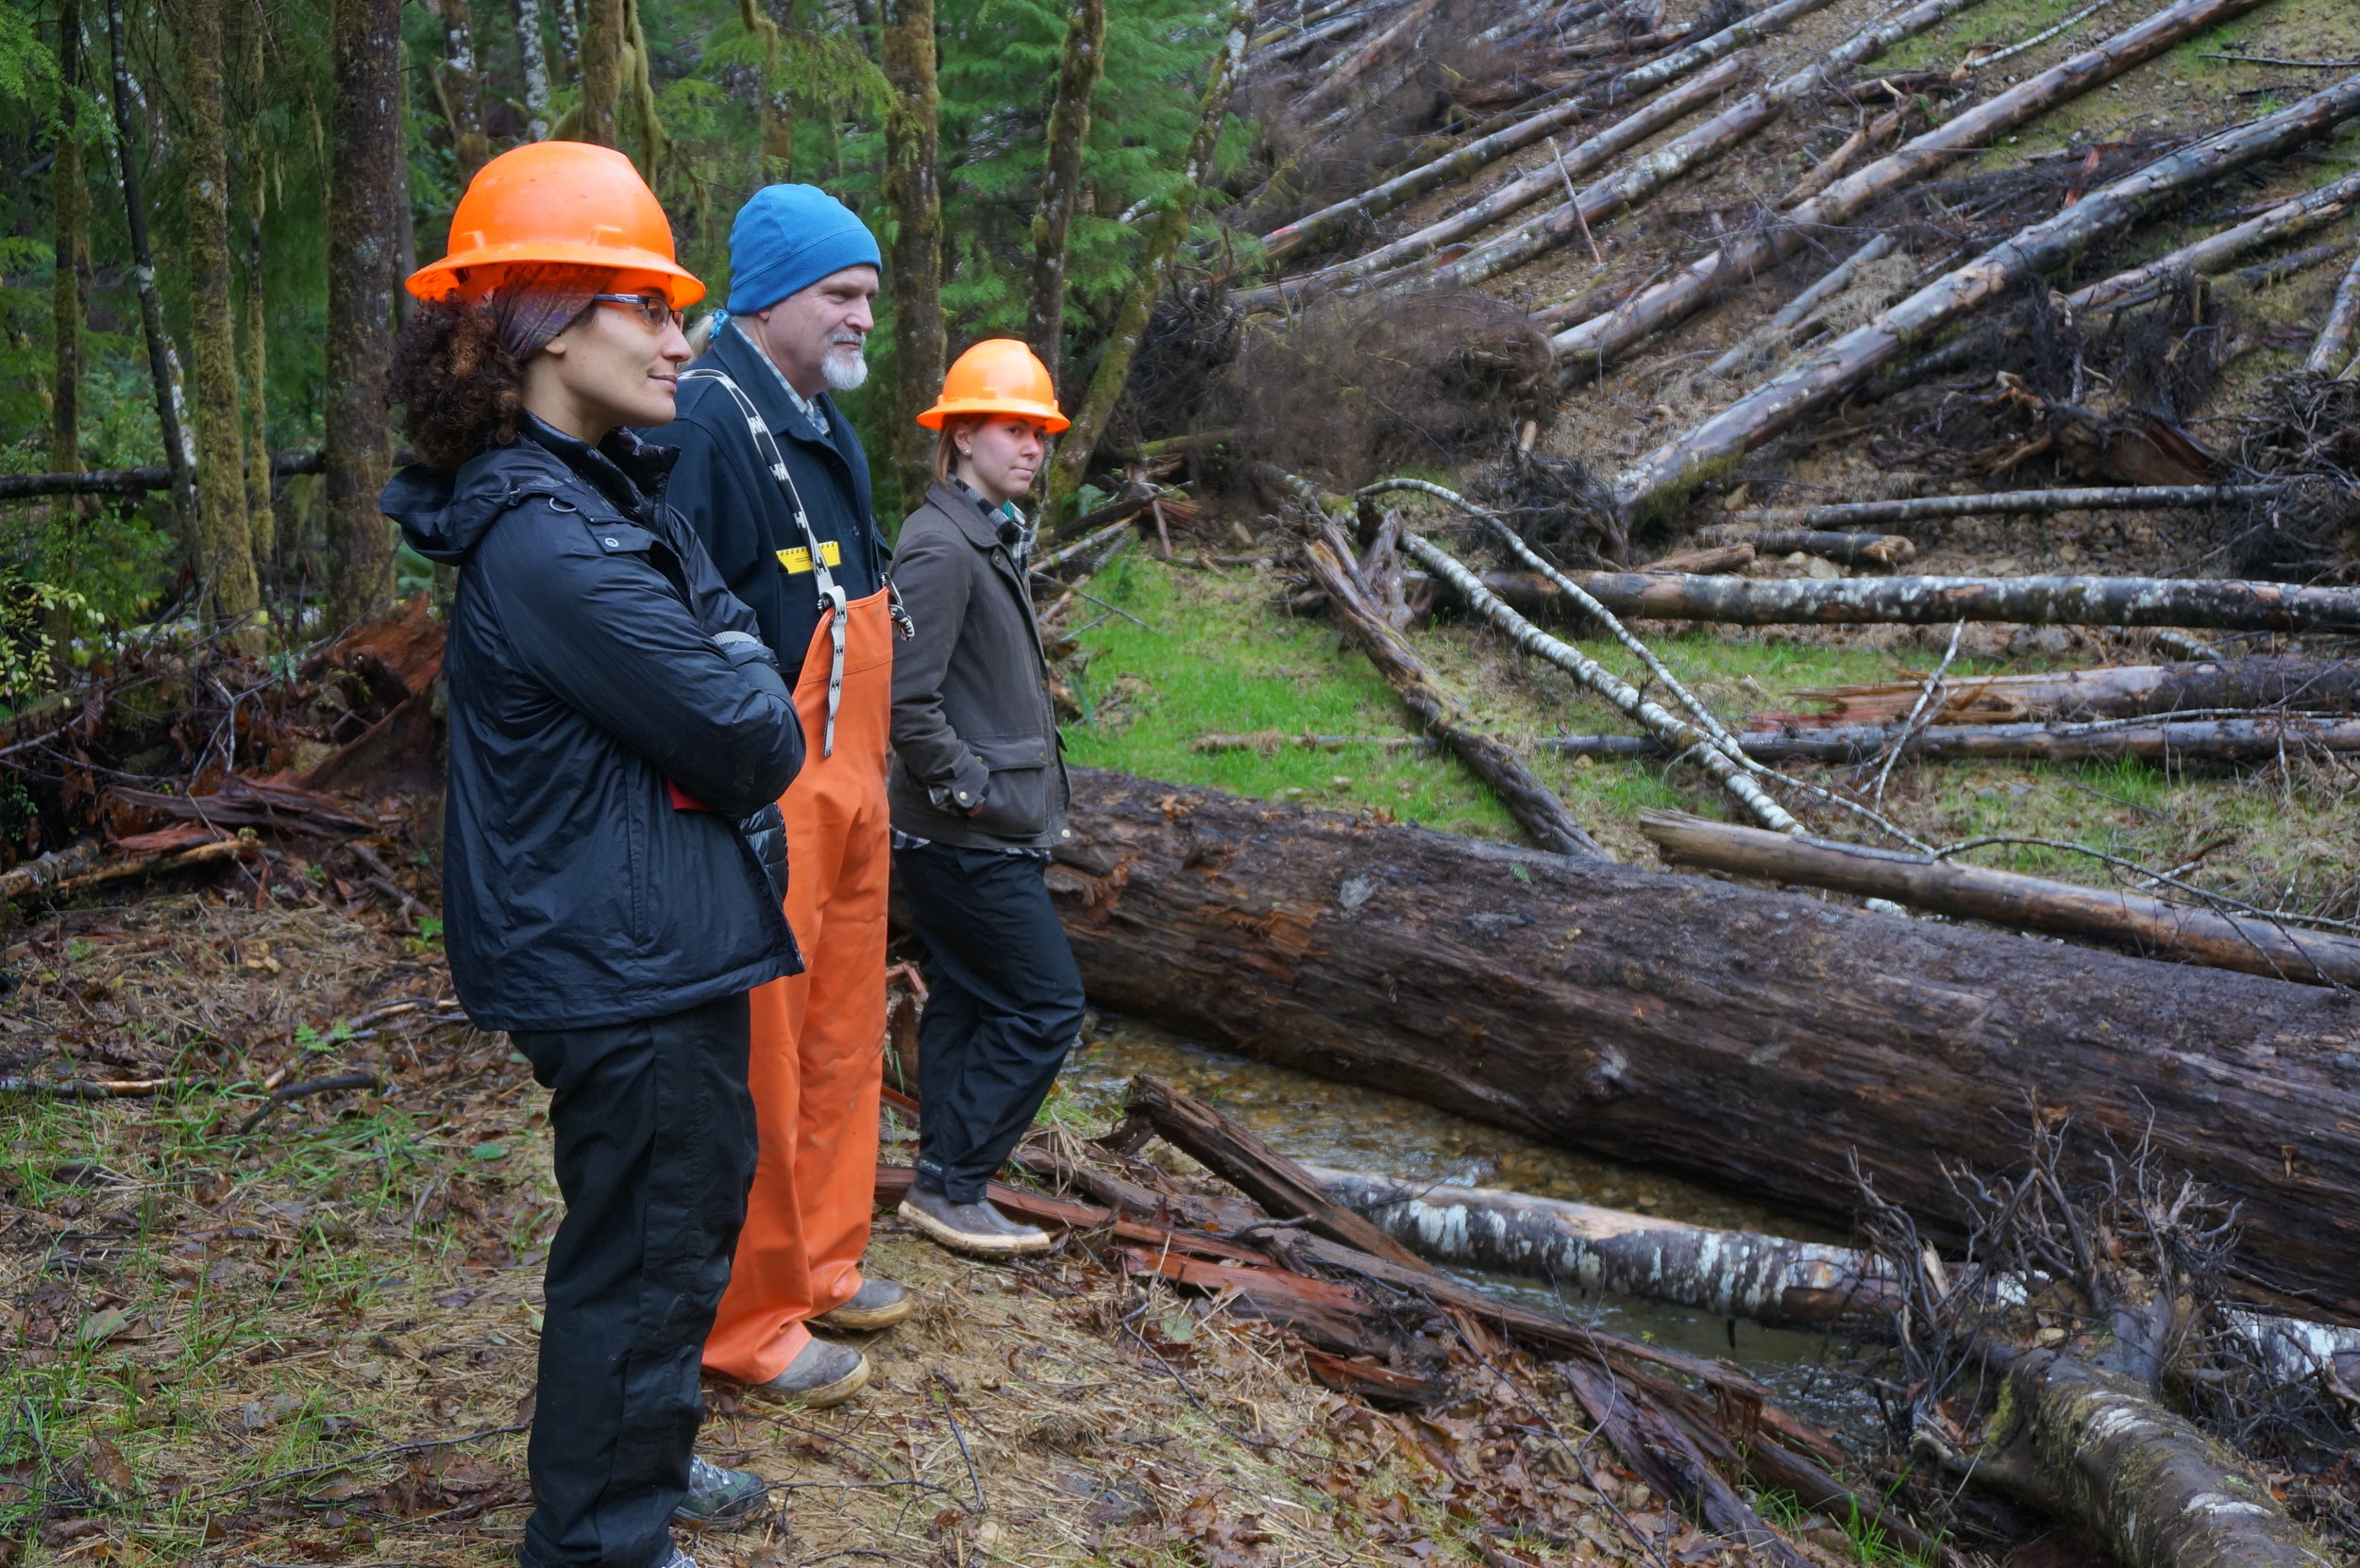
(818, 1039)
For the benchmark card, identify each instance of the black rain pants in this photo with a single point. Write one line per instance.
(655, 1147)
(1003, 1006)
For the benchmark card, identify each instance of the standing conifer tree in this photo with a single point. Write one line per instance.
(224, 556)
(601, 68)
(1078, 74)
(462, 91)
(69, 200)
(913, 193)
(774, 125)
(366, 191)
(1066, 470)
(250, 96)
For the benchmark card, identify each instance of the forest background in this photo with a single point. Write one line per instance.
(281, 196)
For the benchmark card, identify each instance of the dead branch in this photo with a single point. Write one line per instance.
(2126, 920)
(1852, 549)
(1678, 465)
(288, 1094)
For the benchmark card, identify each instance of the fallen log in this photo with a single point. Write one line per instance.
(2151, 927)
(129, 482)
(1338, 77)
(1707, 750)
(1540, 120)
(1588, 347)
(1533, 804)
(1797, 310)
(1621, 1010)
(2218, 604)
(2263, 739)
(2118, 691)
(2279, 268)
(2115, 497)
(2334, 346)
(2217, 253)
(240, 801)
(1851, 549)
(1678, 465)
(74, 872)
(1650, 117)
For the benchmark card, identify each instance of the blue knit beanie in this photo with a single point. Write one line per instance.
(787, 238)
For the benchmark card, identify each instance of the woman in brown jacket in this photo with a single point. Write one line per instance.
(979, 796)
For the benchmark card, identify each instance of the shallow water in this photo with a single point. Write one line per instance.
(1363, 1129)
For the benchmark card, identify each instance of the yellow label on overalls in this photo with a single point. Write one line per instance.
(798, 558)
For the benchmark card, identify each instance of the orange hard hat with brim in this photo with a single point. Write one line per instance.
(998, 375)
(566, 203)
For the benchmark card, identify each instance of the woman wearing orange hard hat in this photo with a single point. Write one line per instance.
(613, 860)
(979, 796)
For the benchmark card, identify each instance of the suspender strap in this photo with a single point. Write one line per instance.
(833, 603)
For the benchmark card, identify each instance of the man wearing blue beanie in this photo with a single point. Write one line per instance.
(772, 476)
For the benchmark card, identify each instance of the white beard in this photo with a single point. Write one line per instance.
(843, 373)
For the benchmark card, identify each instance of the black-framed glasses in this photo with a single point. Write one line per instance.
(654, 309)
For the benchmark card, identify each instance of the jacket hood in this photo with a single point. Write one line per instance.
(444, 517)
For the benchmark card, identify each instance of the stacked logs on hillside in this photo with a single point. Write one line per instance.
(1378, 1322)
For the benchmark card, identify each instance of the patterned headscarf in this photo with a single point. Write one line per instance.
(535, 303)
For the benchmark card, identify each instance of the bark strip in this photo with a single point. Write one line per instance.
(2143, 925)
(1680, 466)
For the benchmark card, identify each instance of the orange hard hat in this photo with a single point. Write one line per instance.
(565, 202)
(998, 375)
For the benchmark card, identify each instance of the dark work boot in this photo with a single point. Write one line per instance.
(822, 1373)
(718, 1496)
(975, 1227)
(878, 1304)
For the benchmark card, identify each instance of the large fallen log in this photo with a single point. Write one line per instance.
(1757, 1038)
(2117, 691)
(2217, 253)
(2263, 739)
(2250, 944)
(1586, 348)
(2335, 340)
(1678, 465)
(2221, 605)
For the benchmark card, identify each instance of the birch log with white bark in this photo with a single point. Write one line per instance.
(1678, 465)
(2160, 740)
(1674, 732)
(2334, 347)
(2117, 691)
(1587, 347)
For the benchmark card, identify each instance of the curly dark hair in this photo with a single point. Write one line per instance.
(459, 388)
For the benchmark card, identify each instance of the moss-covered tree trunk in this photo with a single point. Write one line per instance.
(913, 192)
(601, 68)
(246, 65)
(1066, 469)
(638, 79)
(69, 201)
(224, 560)
(534, 59)
(163, 360)
(1078, 74)
(774, 123)
(364, 226)
(462, 91)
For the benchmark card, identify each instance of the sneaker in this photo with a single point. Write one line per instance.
(878, 1304)
(975, 1227)
(822, 1373)
(718, 1496)
(678, 1559)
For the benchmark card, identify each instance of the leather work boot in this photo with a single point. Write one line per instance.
(823, 1374)
(878, 1304)
(975, 1227)
(718, 1496)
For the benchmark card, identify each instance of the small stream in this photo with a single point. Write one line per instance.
(1363, 1129)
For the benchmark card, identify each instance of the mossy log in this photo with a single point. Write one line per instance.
(1758, 1038)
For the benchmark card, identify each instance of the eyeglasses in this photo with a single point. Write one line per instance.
(654, 309)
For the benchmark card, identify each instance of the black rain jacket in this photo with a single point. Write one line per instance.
(595, 661)
(725, 490)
